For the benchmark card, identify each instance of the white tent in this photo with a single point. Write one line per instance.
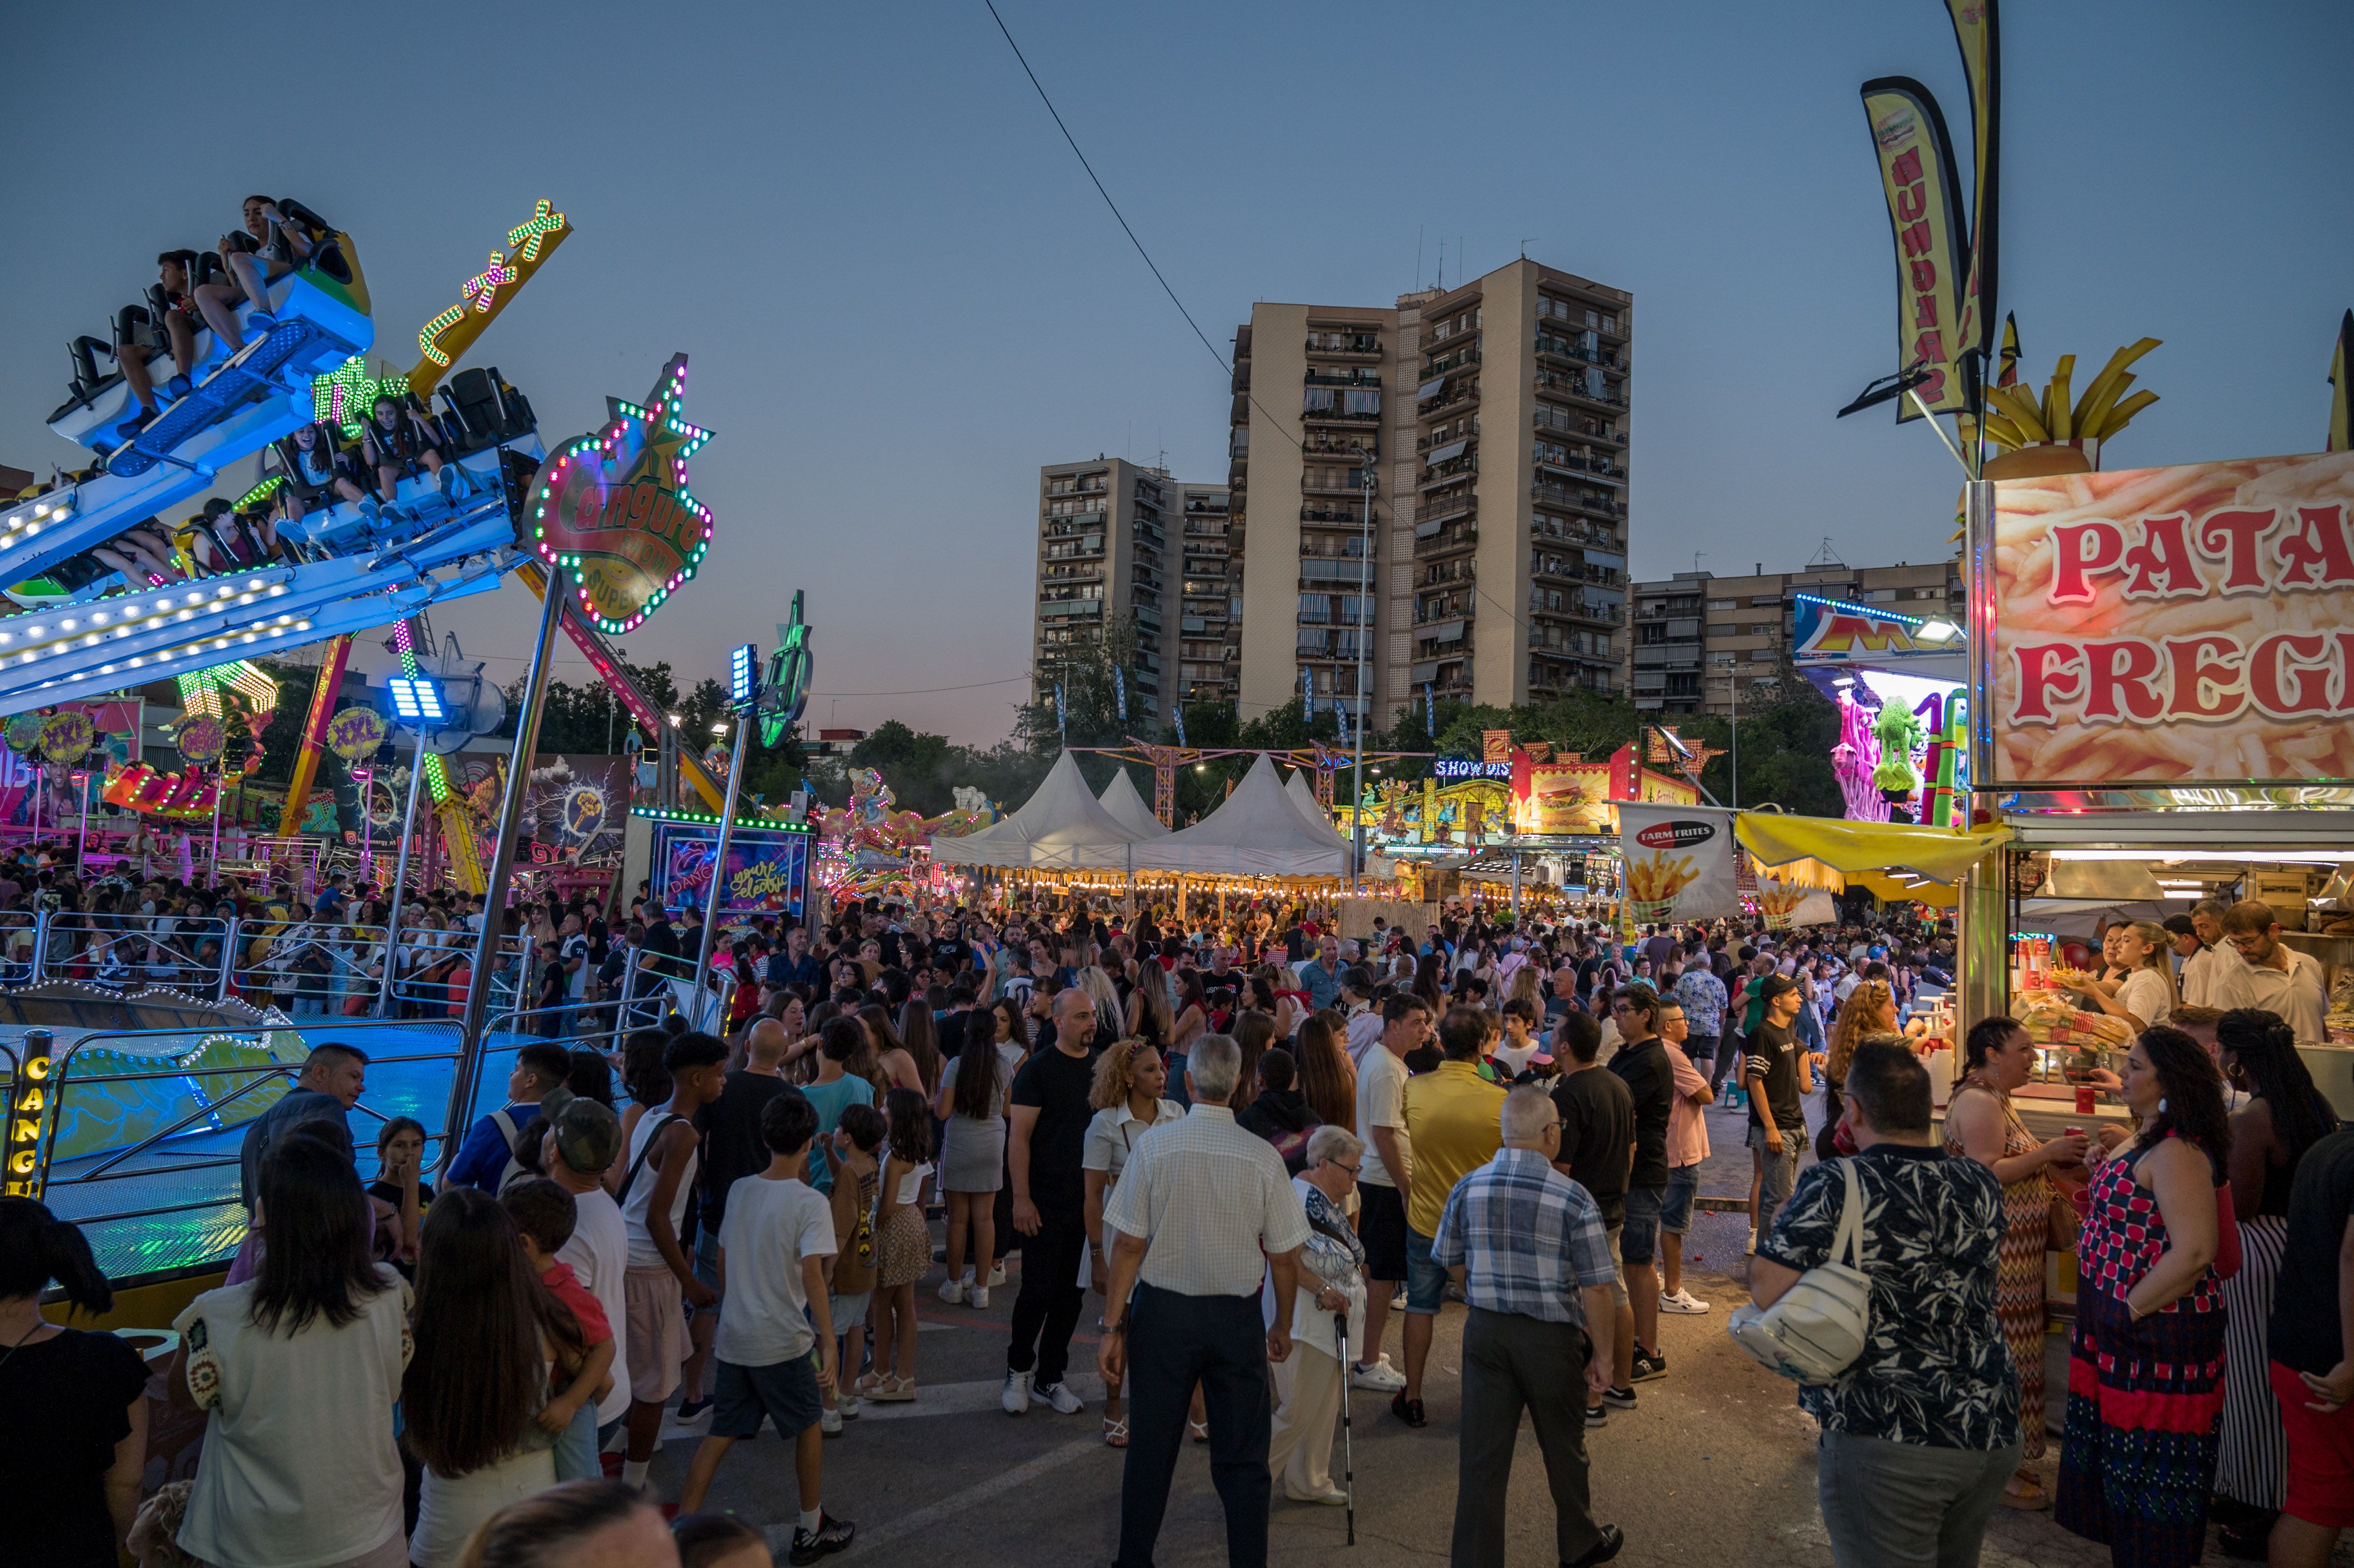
(1258, 831)
(1128, 808)
(1061, 827)
(1304, 798)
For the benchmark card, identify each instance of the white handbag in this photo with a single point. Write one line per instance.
(1817, 1330)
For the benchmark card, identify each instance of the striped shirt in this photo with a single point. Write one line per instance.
(1526, 1238)
(1210, 1200)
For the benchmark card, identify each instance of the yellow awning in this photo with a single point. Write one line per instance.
(1855, 848)
(1895, 890)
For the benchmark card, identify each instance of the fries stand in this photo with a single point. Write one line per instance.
(2161, 710)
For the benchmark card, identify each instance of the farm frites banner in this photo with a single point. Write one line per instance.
(2189, 625)
(1680, 863)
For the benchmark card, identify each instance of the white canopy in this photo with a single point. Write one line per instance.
(1061, 826)
(1304, 798)
(1258, 831)
(1128, 808)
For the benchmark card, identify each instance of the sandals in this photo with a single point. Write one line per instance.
(2033, 1501)
(1115, 1433)
(893, 1390)
(1198, 1430)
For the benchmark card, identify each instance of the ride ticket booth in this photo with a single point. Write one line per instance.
(2161, 713)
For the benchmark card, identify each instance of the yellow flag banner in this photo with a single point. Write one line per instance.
(1916, 172)
(1975, 31)
(2342, 416)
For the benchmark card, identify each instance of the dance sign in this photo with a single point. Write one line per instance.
(767, 872)
(2182, 625)
(614, 507)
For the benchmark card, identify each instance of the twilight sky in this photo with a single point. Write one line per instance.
(901, 295)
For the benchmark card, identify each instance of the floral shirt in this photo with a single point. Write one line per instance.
(1701, 996)
(1934, 1370)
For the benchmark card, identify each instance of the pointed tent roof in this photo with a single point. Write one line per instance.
(1128, 808)
(1258, 831)
(1062, 825)
(1304, 798)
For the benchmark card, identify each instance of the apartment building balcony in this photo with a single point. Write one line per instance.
(1463, 394)
(1548, 346)
(1343, 378)
(1440, 574)
(1321, 571)
(1338, 416)
(1575, 531)
(1605, 472)
(1324, 443)
(1089, 572)
(1057, 610)
(1094, 484)
(1444, 540)
(1344, 345)
(1336, 645)
(1443, 364)
(1442, 508)
(1562, 384)
(1578, 500)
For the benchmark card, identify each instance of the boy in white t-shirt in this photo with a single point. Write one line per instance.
(775, 1347)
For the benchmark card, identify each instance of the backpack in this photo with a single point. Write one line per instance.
(1817, 1330)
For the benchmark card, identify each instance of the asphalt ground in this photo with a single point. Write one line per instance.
(1716, 1466)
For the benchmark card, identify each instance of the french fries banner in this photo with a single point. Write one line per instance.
(1925, 215)
(2183, 625)
(1681, 863)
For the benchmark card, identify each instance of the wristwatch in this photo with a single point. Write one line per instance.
(1118, 1327)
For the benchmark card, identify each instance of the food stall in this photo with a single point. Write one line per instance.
(2160, 689)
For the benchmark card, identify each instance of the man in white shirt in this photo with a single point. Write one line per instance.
(2274, 976)
(582, 1145)
(1386, 1179)
(2208, 971)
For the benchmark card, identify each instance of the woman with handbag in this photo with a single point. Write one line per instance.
(2145, 1361)
(1982, 1124)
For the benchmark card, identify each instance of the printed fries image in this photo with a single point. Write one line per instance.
(1654, 881)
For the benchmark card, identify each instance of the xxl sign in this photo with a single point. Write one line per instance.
(2187, 625)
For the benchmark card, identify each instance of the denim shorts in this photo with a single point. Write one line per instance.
(1683, 1186)
(785, 1392)
(1425, 1282)
(706, 1258)
(1638, 1239)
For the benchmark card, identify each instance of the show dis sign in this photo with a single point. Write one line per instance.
(614, 507)
(2187, 625)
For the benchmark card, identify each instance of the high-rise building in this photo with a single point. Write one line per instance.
(1208, 607)
(1493, 416)
(1704, 644)
(1109, 546)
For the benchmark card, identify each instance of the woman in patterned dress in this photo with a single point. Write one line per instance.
(1981, 1123)
(2146, 1363)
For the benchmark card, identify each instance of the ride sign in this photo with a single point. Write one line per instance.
(614, 506)
(2167, 625)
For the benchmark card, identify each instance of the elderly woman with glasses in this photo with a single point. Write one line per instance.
(1309, 1385)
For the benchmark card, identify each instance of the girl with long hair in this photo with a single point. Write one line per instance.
(2145, 1387)
(1869, 1008)
(1148, 1018)
(487, 1334)
(886, 1063)
(1192, 1012)
(1254, 1031)
(299, 1368)
(2143, 992)
(919, 1038)
(1326, 1077)
(1129, 1096)
(2285, 1115)
(971, 1102)
(903, 1247)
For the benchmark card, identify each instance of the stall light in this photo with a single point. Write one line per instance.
(1935, 631)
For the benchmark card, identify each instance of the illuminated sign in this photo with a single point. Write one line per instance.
(1460, 767)
(1825, 630)
(29, 1102)
(614, 506)
(486, 293)
(768, 869)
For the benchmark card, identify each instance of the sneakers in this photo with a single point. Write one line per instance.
(1620, 1398)
(1649, 1364)
(1056, 1398)
(1015, 1399)
(140, 419)
(977, 1294)
(1595, 1415)
(829, 1422)
(952, 1291)
(847, 1403)
(689, 1409)
(1683, 1301)
(831, 1535)
(176, 388)
(1408, 1410)
(1749, 1247)
(1397, 1299)
(1377, 1375)
(997, 1272)
(1334, 1498)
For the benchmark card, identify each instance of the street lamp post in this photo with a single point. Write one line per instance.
(743, 691)
(1364, 632)
(407, 824)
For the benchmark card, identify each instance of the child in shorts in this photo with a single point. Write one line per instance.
(775, 1247)
(856, 1173)
(544, 1213)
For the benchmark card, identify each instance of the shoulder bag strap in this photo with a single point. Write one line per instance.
(1848, 1241)
(640, 1163)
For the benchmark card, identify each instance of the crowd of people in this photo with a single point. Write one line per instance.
(1254, 1143)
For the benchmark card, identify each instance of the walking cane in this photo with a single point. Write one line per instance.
(1348, 1444)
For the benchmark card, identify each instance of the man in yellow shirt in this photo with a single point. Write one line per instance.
(1459, 1112)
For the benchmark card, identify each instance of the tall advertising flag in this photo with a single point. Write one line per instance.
(1980, 38)
(2341, 437)
(1119, 691)
(1924, 216)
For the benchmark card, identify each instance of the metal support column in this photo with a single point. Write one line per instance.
(494, 900)
(719, 856)
(400, 880)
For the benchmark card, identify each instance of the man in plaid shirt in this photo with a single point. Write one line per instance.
(1528, 1244)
